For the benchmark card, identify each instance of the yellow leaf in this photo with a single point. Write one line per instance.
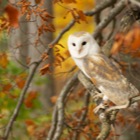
(3, 60)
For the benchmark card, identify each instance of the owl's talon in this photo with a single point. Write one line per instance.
(100, 106)
(118, 107)
(99, 95)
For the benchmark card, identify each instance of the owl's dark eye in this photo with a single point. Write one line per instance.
(73, 44)
(84, 43)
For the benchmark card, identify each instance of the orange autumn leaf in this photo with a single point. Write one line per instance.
(37, 1)
(28, 60)
(82, 16)
(2, 116)
(45, 69)
(7, 87)
(54, 99)
(3, 60)
(138, 126)
(20, 80)
(91, 116)
(86, 129)
(29, 122)
(78, 15)
(67, 53)
(59, 59)
(13, 15)
(132, 38)
(30, 98)
(128, 43)
(44, 56)
(117, 44)
(20, 83)
(31, 127)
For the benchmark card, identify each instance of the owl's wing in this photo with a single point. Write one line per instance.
(109, 79)
(101, 67)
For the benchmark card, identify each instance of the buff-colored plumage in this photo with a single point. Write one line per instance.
(102, 71)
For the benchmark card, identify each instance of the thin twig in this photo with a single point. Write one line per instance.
(20, 101)
(53, 125)
(83, 117)
(119, 7)
(97, 21)
(62, 32)
(113, 25)
(113, 28)
(103, 5)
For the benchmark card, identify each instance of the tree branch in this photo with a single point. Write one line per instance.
(136, 2)
(83, 116)
(57, 130)
(53, 125)
(97, 9)
(118, 8)
(20, 101)
(107, 119)
(104, 4)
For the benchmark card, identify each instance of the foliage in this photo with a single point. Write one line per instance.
(21, 94)
(128, 43)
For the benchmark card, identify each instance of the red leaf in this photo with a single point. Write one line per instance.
(45, 69)
(20, 83)
(7, 87)
(30, 98)
(13, 15)
(37, 1)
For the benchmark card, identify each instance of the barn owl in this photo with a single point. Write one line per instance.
(102, 71)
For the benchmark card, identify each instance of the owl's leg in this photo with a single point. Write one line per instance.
(98, 95)
(119, 107)
(102, 105)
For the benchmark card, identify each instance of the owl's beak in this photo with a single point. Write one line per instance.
(80, 50)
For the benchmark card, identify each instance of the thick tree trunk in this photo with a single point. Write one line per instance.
(46, 89)
(49, 88)
(24, 42)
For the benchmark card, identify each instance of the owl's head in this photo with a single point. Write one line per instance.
(82, 44)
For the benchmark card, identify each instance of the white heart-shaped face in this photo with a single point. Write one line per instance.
(81, 44)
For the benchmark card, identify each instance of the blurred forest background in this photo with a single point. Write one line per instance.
(35, 66)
